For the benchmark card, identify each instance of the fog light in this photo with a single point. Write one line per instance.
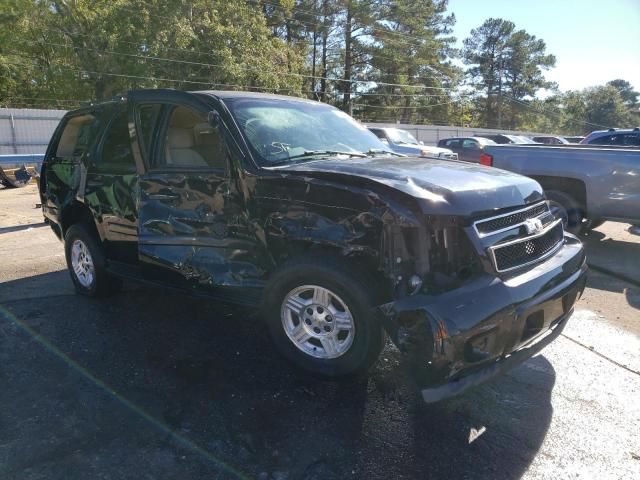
(415, 284)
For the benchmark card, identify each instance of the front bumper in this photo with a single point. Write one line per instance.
(460, 338)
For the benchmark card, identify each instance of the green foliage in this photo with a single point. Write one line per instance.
(89, 49)
(381, 60)
(507, 67)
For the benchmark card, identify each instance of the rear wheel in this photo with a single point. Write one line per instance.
(321, 317)
(591, 224)
(566, 208)
(85, 261)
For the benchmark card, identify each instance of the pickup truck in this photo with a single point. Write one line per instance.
(292, 206)
(585, 185)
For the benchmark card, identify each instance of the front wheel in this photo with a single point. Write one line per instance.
(321, 317)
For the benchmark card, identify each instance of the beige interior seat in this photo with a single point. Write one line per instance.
(181, 148)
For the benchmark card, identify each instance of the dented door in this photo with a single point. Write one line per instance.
(187, 205)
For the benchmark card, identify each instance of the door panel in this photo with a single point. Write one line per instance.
(187, 235)
(192, 224)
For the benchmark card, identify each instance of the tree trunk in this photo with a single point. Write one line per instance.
(325, 37)
(313, 61)
(346, 99)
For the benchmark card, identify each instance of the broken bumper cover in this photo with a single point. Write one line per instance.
(461, 338)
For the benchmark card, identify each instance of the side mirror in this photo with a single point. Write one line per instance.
(214, 119)
(421, 142)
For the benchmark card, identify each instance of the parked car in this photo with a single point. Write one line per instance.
(401, 141)
(551, 140)
(469, 149)
(585, 186)
(293, 206)
(504, 139)
(616, 137)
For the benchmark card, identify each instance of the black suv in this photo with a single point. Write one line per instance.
(616, 137)
(293, 206)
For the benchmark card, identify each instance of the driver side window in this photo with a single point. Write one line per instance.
(190, 141)
(186, 138)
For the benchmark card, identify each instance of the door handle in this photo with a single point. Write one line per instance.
(163, 196)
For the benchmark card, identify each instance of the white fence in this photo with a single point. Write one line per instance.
(26, 130)
(29, 130)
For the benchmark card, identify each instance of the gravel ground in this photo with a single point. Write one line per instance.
(156, 385)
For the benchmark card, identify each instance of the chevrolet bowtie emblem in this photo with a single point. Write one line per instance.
(533, 225)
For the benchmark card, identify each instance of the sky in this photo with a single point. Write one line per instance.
(593, 41)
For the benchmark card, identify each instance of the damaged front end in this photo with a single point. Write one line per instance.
(468, 322)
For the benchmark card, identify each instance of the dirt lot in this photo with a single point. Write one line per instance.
(157, 385)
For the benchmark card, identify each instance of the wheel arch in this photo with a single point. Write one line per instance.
(574, 187)
(78, 212)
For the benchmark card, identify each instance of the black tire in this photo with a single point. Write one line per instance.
(564, 206)
(102, 283)
(591, 224)
(353, 290)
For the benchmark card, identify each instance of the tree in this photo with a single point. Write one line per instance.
(525, 58)
(628, 94)
(583, 111)
(485, 50)
(506, 64)
(409, 59)
(96, 49)
(629, 97)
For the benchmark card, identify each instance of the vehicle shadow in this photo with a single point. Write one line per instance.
(600, 281)
(619, 257)
(153, 384)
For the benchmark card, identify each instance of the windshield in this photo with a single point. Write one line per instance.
(282, 131)
(401, 136)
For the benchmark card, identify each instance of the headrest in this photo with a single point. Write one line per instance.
(180, 138)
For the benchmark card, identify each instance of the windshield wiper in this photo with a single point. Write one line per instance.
(318, 153)
(378, 151)
(308, 154)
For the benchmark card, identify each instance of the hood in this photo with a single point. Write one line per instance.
(442, 187)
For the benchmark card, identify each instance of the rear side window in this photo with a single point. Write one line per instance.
(453, 143)
(116, 147)
(604, 140)
(77, 136)
(628, 139)
(623, 139)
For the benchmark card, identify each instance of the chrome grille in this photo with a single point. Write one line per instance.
(512, 219)
(524, 251)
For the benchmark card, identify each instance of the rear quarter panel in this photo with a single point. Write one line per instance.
(60, 187)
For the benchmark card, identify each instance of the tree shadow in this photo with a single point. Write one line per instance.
(156, 384)
(17, 228)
